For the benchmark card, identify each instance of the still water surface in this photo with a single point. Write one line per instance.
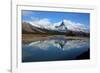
(54, 49)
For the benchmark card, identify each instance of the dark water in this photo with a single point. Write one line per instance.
(55, 50)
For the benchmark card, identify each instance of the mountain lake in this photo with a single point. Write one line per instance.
(56, 49)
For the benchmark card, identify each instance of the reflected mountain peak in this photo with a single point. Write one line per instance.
(62, 44)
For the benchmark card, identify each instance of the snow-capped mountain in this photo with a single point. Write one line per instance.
(60, 26)
(64, 27)
(75, 26)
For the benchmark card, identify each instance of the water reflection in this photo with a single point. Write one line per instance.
(54, 49)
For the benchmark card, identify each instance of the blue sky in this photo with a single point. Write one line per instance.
(82, 18)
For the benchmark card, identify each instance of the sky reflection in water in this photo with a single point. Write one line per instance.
(54, 49)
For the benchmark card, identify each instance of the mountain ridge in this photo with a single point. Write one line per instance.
(29, 28)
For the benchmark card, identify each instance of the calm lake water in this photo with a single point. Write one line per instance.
(55, 50)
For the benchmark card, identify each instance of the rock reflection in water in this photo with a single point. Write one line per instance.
(54, 49)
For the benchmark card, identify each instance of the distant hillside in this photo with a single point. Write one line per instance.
(26, 27)
(60, 30)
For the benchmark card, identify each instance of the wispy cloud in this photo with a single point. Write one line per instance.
(27, 15)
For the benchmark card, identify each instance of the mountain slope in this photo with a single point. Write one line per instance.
(26, 27)
(59, 30)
